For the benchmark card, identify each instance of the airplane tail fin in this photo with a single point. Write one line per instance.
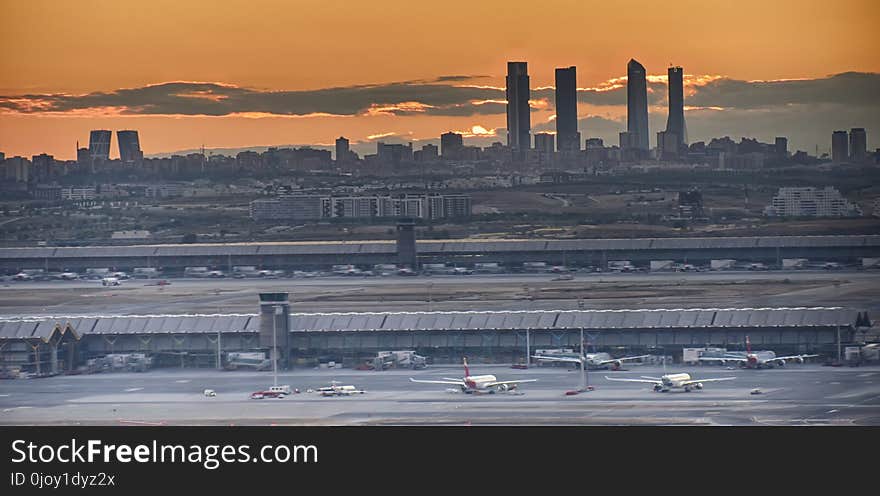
(748, 346)
(467, 373)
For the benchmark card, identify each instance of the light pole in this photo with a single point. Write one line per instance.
(585, 382)
(278, 311)
(838, 344)
(528, 349)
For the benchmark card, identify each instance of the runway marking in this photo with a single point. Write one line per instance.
(139, 422)
(16, 408)
(4, 395)
(130, 390)
(182, 381)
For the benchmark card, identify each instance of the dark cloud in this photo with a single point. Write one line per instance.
(805, 110)
(849, 88)
(184, 98)
(442, 79)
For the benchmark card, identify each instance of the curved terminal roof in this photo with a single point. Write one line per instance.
(705, 318)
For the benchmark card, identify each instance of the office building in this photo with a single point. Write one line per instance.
(316, 207)
(342, 150)
(394, 153)
(858, 144)
(518, 118)
(566, 110)
(637, 105)
(99, 145)
(129, 146)
(839, 147)
(675, 123)
(781, 147)
(810, 202)
(544, 142)
(428, 153)
(451, 145)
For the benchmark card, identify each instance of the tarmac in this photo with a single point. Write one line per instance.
(798, 394)
(744, 289)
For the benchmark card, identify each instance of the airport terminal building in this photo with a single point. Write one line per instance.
(62, 343)
(173, 259)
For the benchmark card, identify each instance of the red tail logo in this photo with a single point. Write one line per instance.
(748, 346)
(467, 373)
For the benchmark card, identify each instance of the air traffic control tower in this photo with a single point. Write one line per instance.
(406, 244)
(275, 326)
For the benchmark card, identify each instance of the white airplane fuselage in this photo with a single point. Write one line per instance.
(763, 359)
(676, 381)
(478, 382)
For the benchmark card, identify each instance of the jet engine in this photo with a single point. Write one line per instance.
(615, 365)
(799, 359)
(502, 388)
(658, 387)
(698, 385)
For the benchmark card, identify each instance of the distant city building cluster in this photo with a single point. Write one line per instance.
(318, 207)
(554, 156)
(852, 148)
(811, 202)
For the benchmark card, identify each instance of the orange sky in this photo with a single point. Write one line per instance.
(79, 46)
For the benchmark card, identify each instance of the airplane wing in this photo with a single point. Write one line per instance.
(694, 381)
(603, 362)
(498, 383)
(724, 359)
(456, 382)
(791, 357)
(648, 381)
(557, 359)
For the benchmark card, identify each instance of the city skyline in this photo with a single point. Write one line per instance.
(413, 82)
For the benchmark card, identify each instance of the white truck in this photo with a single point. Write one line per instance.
(385, 360)
(661, 265)
(794, 263)
(722, 264)
(621, 266)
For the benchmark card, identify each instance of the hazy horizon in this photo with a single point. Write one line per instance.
(233, 74)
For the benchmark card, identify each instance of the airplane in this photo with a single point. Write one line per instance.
(591, 360)
(673, 381)
(22, 276)
(478, 383)
(111, 281)
(334, 389)
(755, 360)
(67, 276)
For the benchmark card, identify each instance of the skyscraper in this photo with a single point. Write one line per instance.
(858, 144)
(637, 104)
(129, 146)
(99, 144)
(675, 124)
(839, 147)
(450, 145)
(781, 147)
(342, 149)
(518, 118)
(567, 134)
